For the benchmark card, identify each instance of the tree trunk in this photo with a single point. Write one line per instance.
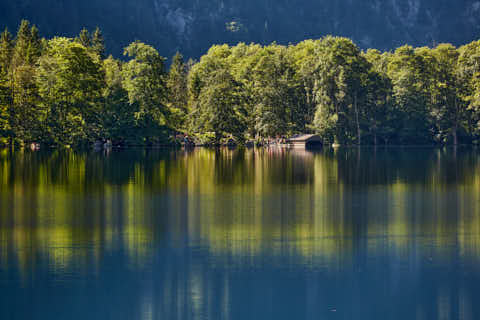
(455, 135)
(455, 127)
(357, 119)
(11, 108)
(336, 138)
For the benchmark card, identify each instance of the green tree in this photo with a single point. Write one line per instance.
(144, 79)
(379, 112)
(448, 110)
(70, 82)
(468, 74)
(409, 74)
(273, 92)
(22, 42)
(35, 46)
(6, 52)
(64, 91)
(25, 114)
(220, 107)
(177, 91)
(26, 118)
(304, 63)
(98, 43)
(28, 45)
(84, 38)
(341, 77)
(118, 116)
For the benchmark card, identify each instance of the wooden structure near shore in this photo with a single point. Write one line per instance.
(305, 141)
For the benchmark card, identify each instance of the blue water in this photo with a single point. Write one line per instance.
(240, 234)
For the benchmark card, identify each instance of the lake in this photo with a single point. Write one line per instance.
(352, 233)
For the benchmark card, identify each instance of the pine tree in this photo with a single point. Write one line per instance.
(98, 43)
(177, 82)
(25, 115)
(177, 89)
(34, 47)
(84, 38)
(22, 42)
(6, 50)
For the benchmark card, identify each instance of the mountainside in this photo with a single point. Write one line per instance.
(192, 26)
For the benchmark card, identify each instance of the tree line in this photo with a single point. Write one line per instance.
(67, 92)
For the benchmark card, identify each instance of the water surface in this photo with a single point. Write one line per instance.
(240, 234)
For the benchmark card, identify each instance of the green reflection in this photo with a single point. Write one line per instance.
(71, 208)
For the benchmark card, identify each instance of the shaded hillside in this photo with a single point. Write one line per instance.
(192, 26)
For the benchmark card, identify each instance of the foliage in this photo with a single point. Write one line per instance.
(66, 91)
(220, 106)
(144, 80)
(177, 86)
(341, 75)
(118, 117)
(70, 82)
(6, 51)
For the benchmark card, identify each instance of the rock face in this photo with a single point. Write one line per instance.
(192, 26)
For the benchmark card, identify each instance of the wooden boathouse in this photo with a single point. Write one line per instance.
(305, 141)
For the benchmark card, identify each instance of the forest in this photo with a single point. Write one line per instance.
(68, 92)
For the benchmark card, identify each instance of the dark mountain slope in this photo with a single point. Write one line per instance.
(192, 26)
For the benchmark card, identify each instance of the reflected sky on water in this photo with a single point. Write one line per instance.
(240, 234)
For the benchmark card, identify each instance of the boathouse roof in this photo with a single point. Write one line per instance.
(305, 138)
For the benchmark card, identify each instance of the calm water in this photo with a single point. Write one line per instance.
(347, 234)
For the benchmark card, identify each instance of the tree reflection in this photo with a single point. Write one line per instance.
(197, 221)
